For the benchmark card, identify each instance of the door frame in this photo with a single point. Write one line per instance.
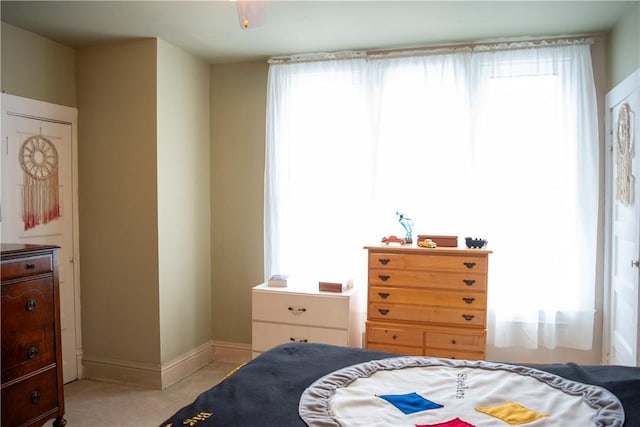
(613, 98)
(35, 109)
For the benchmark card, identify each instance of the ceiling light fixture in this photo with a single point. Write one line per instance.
(251, 13)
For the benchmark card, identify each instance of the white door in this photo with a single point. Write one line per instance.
(622, 280)
(37, 137)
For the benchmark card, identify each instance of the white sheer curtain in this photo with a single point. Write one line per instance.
(495, 143)
(535, 146)
(318, 173)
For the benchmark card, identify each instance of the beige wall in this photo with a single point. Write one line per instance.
(145, 200)
(184, 198)
(238, 109)
(37, 68)
(624, 47)
(118, 201)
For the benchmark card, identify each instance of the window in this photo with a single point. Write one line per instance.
(494, 144)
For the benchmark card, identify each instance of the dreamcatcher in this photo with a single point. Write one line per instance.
(624, 156)
(40, 200)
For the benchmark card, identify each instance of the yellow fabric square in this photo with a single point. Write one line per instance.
(512, 413)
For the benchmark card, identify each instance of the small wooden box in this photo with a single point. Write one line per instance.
(444, 241)
(335, 286)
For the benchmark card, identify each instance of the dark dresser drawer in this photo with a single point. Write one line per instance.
(27, 352)
(28, 305)
(27, 327)
(30, 399)
(26, 267)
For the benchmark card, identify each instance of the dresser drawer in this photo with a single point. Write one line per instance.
(441, 298)
(27, 305)
(418, 313)
(392, 335)
(26, 352)
(453, 354)
(268, 335)
(463, 263)
(26, 267)
(425, 279)
(327, 311)
(398, 349)
(456, 340)
(33, 398)
(28, 334)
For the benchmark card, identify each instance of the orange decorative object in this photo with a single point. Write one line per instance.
(392, 239)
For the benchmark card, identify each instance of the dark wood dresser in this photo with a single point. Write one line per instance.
(32, 384)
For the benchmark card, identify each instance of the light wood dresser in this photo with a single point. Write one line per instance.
(32, 383)
(427, 301)
(304, 314)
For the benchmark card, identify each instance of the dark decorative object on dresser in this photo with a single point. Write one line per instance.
(32, 384)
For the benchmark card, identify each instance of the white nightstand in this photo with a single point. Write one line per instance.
(301, 314)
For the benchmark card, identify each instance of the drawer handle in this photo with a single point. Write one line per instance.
(292, 339)
(30, 266)
(30, 305)
(35, 397)
(384, 261)
(468, 317)
(383, 295)
(33, 353)
(468, 300)
(453, 341)
(469, 264)
(384, 277)
(298, 310)
(383, 311)
(469, 282)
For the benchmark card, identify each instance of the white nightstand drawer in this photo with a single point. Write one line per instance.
(268, 335)
(328, 311)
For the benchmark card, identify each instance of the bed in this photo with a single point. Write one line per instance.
(299, 380)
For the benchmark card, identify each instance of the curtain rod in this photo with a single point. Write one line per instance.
(507, 44)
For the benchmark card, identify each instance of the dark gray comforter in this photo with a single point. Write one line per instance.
(266, 391)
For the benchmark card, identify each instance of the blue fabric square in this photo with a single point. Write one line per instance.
(410, 403)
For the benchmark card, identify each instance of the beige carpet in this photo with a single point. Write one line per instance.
(100, 404)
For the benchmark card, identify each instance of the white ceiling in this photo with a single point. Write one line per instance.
(210, 29)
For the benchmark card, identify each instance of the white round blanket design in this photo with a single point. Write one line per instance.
(428, 392)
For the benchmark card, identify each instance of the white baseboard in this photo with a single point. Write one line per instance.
(145, 375)
(224, 351)
(148, 375)
(151, 375)
(183, 366)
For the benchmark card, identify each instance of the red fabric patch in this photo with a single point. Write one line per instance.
(456, 422)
